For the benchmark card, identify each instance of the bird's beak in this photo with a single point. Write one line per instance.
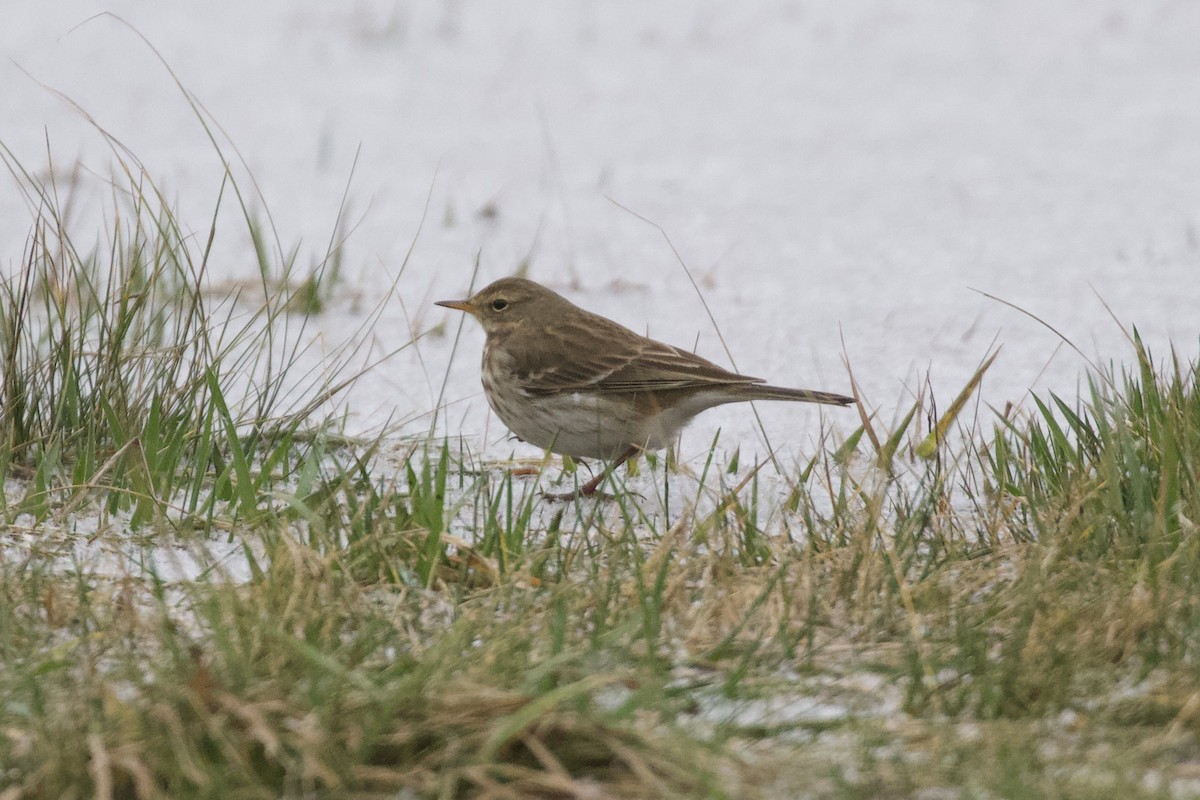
(457, 305)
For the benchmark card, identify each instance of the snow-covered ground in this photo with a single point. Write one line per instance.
(830, 171)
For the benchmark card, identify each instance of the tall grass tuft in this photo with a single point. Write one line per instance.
(125, 376)
(1115, 475)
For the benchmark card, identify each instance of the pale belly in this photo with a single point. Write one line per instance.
(577, 425)
(588, 425)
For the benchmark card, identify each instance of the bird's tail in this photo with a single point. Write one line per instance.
(759, 391)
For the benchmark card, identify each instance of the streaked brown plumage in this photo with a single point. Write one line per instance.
(579, 384)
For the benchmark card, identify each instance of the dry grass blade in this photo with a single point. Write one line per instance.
(929, 446)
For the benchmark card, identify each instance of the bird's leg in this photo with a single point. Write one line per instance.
(589, 488)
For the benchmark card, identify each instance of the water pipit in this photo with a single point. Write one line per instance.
(578, 384)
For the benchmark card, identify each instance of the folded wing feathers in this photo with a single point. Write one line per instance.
(660, 367)
(642, 365)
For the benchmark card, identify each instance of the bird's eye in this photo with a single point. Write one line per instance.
(499, 304)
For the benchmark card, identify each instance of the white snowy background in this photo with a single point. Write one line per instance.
(830, 172)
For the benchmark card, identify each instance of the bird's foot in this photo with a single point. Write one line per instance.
(579, 493)
(590, 489)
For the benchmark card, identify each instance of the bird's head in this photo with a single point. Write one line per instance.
(505, 305)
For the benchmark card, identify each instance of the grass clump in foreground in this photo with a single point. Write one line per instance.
(1008, 614)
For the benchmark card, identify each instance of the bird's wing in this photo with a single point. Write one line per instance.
(617, 361)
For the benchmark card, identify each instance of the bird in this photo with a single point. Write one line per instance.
(581, 385)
